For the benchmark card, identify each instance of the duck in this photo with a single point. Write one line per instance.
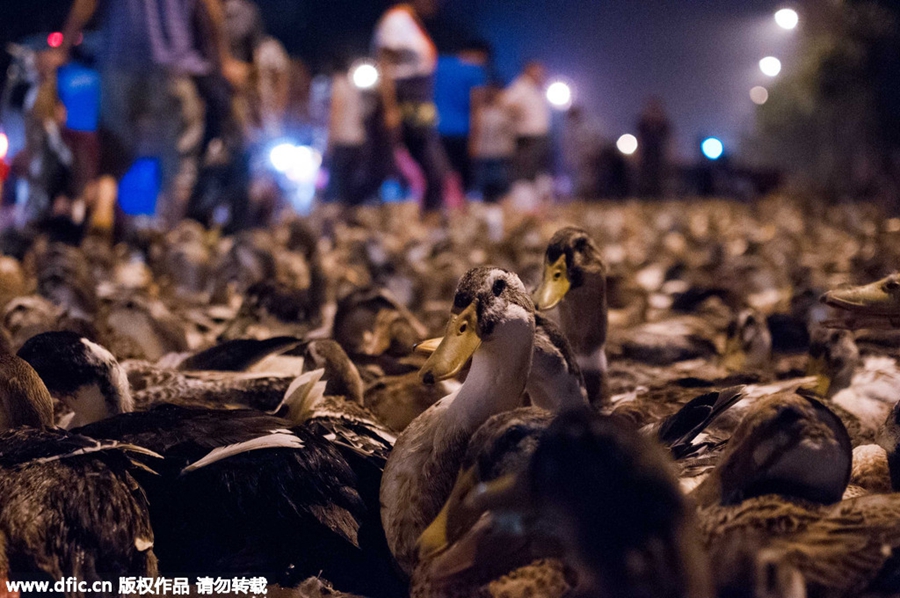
(574, 278)
(71, 504)
(605, 508)
(789, 443)
(779, 492)
(492, 322)
(861, 389)
(574, 281)
(291, 491)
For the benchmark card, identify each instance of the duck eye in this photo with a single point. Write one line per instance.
(891, 284)
(580, 244)
(499, 287)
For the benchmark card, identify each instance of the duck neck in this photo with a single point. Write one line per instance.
(584, 315)
(109, 396)
(497, 376)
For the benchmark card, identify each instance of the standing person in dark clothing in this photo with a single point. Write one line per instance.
(653, 142)
(407, 58)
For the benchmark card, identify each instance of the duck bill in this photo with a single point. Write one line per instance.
(466, 533)
(849, 321)
(815, 366)
(436, 537)
(554, 285)
(734, 357)
(455, 349)
(870, 300)
(428, 346)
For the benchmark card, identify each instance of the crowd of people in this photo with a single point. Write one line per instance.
(199, 86)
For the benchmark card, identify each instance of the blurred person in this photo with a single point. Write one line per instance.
(653, 130)
(612, 172)
(493, 143)
(346, 140)
(581, 147)
(149, 96)
(272, 66)
(531, 115)
(456, 77)
(407, 59)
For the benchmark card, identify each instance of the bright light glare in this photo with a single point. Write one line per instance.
(364, 75)
(306, 164)
(282, 156)
(759, 95)
(55, 39)
(559, 95)
(712, 148)
(787, 18)
(627, 144)
(299, 163)
(770, 66)
(4, 145)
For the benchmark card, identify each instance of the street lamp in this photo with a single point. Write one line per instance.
(787, 18)
(712, 148)
(770, 66)
(559, 94)
(627, 144)
(759, 95)
(364, 74)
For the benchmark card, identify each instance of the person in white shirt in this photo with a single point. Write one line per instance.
(524, 98)
(346, 140)
(407, 59)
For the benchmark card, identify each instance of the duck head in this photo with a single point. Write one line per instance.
(341, 373)
(787, 444)
(80, 373)
(748, 343)
(372, 322)
(489, 304)
(874, 305)
(571, 260)
(833, 359)
(24, 399)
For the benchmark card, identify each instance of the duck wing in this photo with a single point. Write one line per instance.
(71, 507)
(679, 430)
(292, 511)
(238, 355)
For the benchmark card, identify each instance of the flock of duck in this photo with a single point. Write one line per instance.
(686, 399)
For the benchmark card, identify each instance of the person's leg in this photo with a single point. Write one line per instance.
(177, 125)
(431, 157)
(457, 151)
(120, 103)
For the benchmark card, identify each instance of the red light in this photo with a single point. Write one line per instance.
(55, 39)
(4, 145)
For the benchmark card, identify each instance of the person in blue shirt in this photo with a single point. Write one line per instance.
(457, 75)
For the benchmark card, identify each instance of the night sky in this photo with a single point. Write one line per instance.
(700, 56)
